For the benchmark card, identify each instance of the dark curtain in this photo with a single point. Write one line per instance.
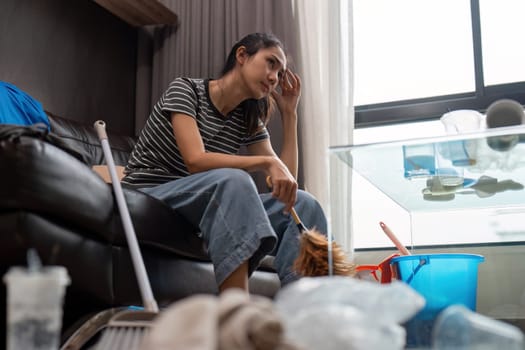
(197, 47)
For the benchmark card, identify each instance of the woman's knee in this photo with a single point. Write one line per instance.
(306, 200)
(238, 179)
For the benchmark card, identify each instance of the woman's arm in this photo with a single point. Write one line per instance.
(197, 159)
(263, 159)
(284, 183)
(289, 151)
(287, 101)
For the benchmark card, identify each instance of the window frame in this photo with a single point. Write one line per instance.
(431, 108)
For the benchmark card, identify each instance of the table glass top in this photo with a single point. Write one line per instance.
(484, 169)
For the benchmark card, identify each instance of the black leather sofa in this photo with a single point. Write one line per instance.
(51, 200)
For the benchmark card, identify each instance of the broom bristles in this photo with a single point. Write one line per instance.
(313, 257)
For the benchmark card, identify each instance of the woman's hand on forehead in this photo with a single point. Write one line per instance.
(290, 91)
(290, 83)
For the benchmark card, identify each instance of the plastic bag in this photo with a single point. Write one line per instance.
(333, 313)
(393, 302)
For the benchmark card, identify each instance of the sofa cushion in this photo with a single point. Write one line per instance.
(80, 136)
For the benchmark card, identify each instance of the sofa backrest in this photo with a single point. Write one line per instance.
(83, 137)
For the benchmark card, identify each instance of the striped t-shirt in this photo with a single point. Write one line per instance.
(156, 158)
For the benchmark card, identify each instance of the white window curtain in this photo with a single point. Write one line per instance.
(327, 115)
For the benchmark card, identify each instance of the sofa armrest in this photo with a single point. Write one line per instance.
(39, 177)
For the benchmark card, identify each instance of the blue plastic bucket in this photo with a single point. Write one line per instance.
(443, 280)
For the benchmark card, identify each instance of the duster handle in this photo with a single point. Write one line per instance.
(295, 217)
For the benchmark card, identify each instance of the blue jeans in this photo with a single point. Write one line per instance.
(237, 223)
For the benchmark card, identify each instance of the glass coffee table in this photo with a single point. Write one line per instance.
(454, 189)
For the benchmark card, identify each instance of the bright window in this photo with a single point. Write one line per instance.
(416, 60)
(502, 35)
(411, 49)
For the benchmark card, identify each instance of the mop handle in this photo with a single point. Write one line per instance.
(145, 288)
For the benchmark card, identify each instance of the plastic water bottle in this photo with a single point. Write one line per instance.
(458, 328)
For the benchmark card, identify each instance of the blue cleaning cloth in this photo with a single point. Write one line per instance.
(18, 108)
